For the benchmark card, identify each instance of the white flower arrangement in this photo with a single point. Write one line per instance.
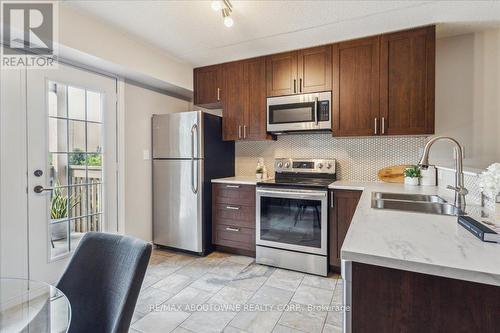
(489, 181)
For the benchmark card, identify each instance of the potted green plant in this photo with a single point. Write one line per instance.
(412, 175)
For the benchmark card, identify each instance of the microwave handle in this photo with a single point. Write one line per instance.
(316, 110)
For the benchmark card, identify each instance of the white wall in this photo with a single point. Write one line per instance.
(94, 37)
(140, 105)
(468, 96)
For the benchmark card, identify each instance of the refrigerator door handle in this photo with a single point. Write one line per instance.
(194, 183)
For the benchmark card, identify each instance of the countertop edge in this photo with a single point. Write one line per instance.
(423, 268)
(235, 180)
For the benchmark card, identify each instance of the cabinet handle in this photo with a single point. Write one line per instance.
(383, 125)
(232, 229)
(233, 207)
(232, 186)
(376, 125)
(218, 94)
(239, 131)
(331, 199)
(244, 131)
(294, 85)
(300, 85)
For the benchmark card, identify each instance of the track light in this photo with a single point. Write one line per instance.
(226, 8)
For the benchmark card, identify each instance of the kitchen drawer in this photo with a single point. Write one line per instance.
(235, 194)
(234, 236)
(243, 216)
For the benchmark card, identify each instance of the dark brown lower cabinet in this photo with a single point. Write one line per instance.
(342, 207)
(233, 218)
(389, 300)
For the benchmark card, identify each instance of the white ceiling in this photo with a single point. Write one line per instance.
(191, 31)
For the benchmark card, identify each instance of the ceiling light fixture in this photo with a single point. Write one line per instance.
(226, 8)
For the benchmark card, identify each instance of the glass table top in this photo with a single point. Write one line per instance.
(32, 306)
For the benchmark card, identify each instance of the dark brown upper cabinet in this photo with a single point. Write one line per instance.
(355, 100)
(254, 119)
(282, 74)
(407, 67)
(233, 101)
(302, 71)
(244, 100)
(381, 85)
(315, 69)
(207, 86)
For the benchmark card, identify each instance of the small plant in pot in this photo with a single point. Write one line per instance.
(412, 175)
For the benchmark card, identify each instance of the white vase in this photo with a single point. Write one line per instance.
(411, 181)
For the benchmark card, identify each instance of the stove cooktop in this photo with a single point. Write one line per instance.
(298, 182)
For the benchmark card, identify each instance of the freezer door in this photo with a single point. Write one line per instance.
(177, 204)
(178, 135)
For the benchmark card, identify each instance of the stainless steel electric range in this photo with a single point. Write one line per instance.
(292, 215)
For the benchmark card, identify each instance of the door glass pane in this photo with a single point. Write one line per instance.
(94, 139)
(291, 221)
(75, 165)
(59, 243)
(77, 136)
(58, 170)
(76, 103)
(77, 201)
(94, 106)
(58, 135)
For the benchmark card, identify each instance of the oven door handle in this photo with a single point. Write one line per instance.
(316, 110)
(300, 195)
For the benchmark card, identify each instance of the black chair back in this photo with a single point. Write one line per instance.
(103, 280)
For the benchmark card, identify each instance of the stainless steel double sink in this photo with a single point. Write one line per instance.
(419, 203)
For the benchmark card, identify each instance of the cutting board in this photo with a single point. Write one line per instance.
(393, 174)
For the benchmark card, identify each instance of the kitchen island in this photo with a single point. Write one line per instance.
(424, 272)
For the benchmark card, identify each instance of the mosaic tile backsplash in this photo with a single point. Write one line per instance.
(358, 159)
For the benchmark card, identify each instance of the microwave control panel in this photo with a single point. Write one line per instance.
(324, 110)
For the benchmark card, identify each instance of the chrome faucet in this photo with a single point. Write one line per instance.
(459, 188)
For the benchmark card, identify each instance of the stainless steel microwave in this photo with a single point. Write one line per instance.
(297, 113)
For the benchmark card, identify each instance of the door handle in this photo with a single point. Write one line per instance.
(331, 199)
(194, 184)
(41, 189)
(376, 125)
(383, 125)
(218, 94)
(244, 131)
(232, 229)
(316, 106)
(239, 131)
(232, 186)
(294, 85)
(233, 207)
(300, 85)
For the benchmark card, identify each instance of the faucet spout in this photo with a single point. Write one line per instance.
(459, 188)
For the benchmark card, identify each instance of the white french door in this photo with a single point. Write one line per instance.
(71, 161)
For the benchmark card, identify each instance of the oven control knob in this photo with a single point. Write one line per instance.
(328, 165)
(280, 164)
(287, 164)
(320, 165)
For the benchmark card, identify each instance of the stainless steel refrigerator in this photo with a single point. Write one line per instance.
(188, 152)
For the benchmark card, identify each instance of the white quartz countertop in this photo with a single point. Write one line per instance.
(418, 242)
(245, 180)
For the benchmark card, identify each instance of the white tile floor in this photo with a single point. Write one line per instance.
(227, 293)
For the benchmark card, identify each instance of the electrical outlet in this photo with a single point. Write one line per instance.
(146, 155)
